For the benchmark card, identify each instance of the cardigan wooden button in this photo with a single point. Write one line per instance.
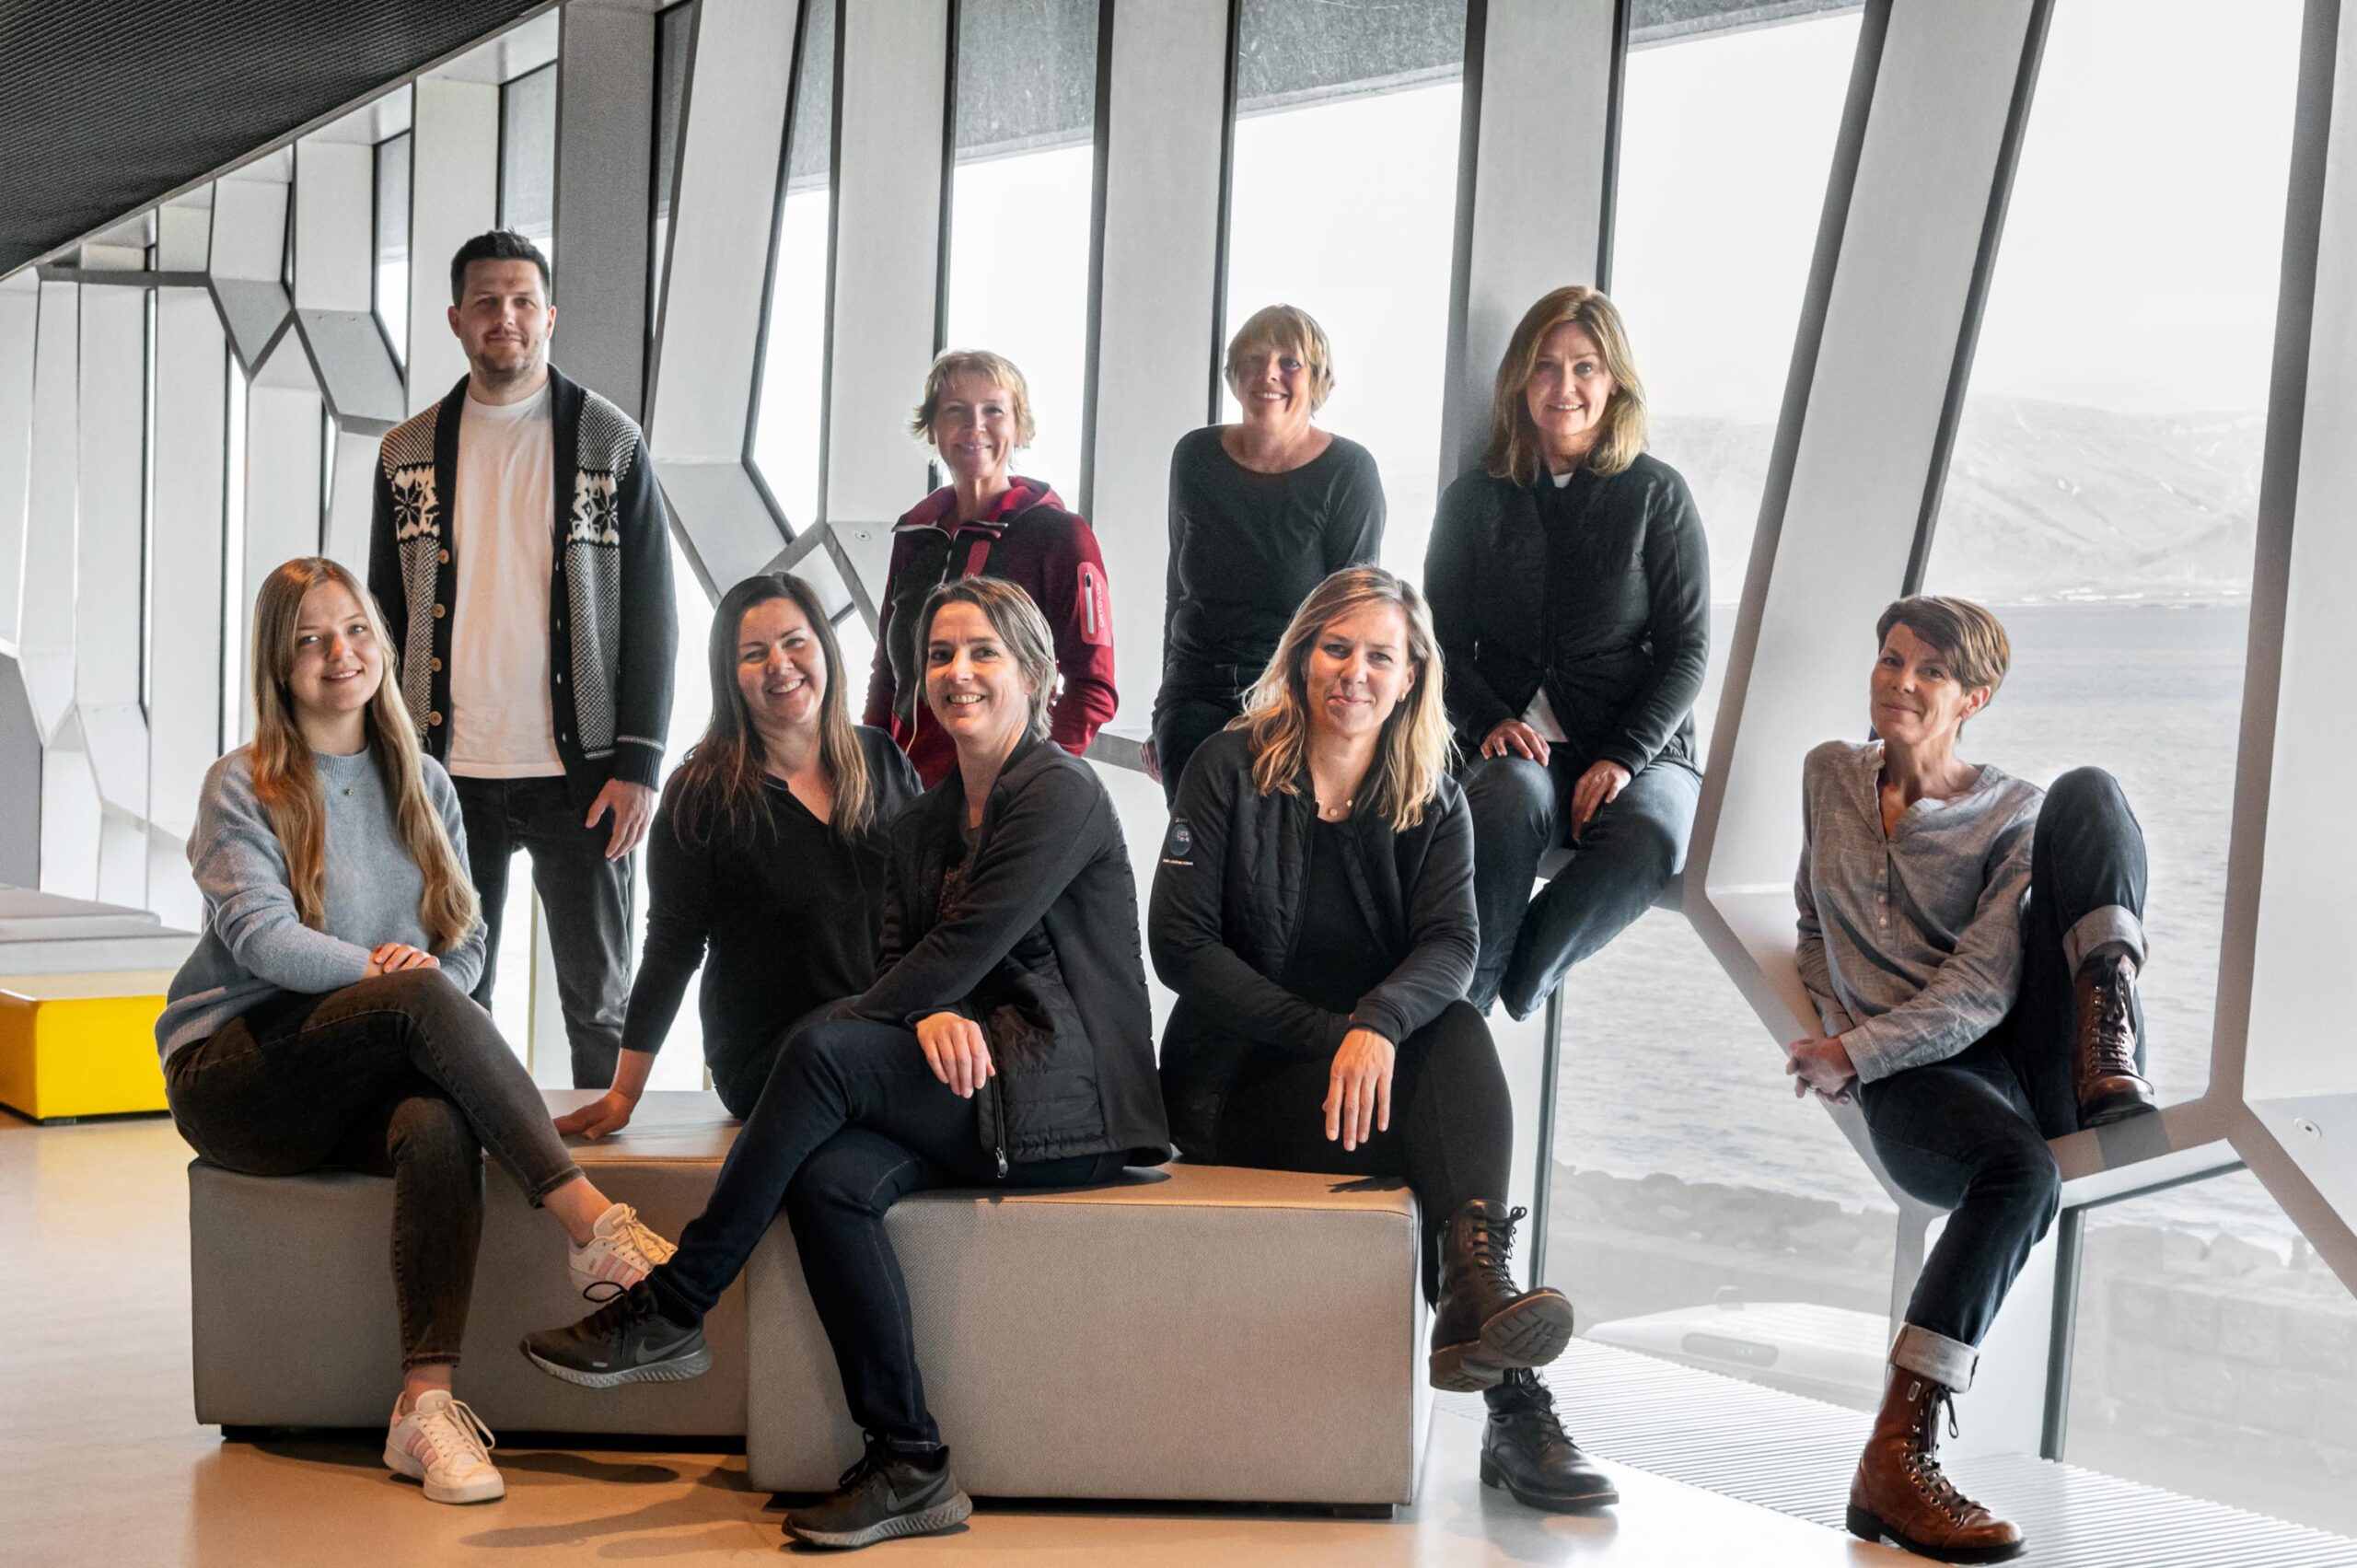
(440, 610)
(437, 664)
(434, 718)
(443, 556)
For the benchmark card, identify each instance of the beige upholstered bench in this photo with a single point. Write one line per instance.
(1192, 1332)
(291, 1294)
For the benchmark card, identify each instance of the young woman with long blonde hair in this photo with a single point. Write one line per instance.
(1314, 912)
(323, 1018)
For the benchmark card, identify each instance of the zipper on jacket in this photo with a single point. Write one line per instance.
(998, 1102)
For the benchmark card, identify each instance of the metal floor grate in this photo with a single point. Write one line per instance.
(1795, 1455)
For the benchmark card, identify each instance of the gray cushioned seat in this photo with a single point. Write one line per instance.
(1194, 1332)
(292, 1320)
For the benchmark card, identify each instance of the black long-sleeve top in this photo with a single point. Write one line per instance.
(1600, 592)
(1247, 548)
(783, 921)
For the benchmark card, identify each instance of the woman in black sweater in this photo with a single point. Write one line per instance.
(1314, 912)
(766, 863)
(1006, 1041)
(1570, 587)
(1261, 512)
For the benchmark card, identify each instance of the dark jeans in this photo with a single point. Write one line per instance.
(1187, 714)
(850, 1120)
(586, 895)
(1969, 1134)
(1452, 1121)
(402, 1076)
(1631, 850)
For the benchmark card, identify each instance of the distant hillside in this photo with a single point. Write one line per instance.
(2044, 499)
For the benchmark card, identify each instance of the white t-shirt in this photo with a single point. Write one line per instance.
(1540, 714)
(502, 724)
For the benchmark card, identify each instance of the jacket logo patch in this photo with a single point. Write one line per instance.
(593, 520)
(1179, 844)
(1096, 612)
(416, 515)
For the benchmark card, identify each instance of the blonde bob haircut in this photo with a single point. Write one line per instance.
(1018, 624)
(978, 362)
(286, 783)
(1286, 329)
(1972, 641)
(1513, 452)
(1413, 752)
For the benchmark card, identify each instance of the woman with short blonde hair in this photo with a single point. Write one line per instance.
(1261, 512)
(323, 1018)
(1313, 909)
(1570, 586)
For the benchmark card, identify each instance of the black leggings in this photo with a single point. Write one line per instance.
(1452, 1121)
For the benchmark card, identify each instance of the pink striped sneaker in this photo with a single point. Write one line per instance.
(618, 1256)
(441, 1442)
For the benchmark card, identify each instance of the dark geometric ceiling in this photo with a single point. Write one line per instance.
(106, 105)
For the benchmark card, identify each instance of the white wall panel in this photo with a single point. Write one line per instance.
(605, 116)
(19, 317)
(335, 217)
(184, 647)
(1161, 113)
(45, 614)
(109, 592)
(894, 79)
(453, 196)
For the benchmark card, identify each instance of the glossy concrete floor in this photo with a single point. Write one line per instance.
(102, 1463)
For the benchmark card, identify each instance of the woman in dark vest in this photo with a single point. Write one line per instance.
(1314, 912)
(1041, 1073)
(1570, 586)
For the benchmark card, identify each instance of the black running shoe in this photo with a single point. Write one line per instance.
(626, 1340)
(884, 1496)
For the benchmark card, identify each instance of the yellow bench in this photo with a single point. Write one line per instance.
(76, 1045)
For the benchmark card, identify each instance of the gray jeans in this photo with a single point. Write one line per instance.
(400, 1076)
(587, 898)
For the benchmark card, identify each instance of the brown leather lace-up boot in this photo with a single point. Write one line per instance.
(1901, 1495)
(1484, 1324)
(2103, 1046)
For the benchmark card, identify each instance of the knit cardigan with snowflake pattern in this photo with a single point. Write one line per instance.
(612, 623)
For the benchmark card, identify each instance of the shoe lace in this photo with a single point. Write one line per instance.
(637, 1245)
(1491, 1246)
(1535, 1403)
(2108, 1030)
(872, 1458)
(1923, 1460)
(456, 1432)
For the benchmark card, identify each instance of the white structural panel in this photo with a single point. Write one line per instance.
(335, 217)
(1545, 125)
(184, 234)
(891, 88)
(110, 430)
(1161, 116)
(284, 452)
(453, 196)
(20, 314)
(708, 337)
(184, 671)
(2293, 1066)
(248, 241)
(45, 616)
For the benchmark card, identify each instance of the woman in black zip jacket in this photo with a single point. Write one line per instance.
(1570, 587)
(1006, 1039)
(1314, 912)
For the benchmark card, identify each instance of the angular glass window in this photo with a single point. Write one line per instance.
(1713, 337)
(392, 243)
(528, 158)
(1342, 201)
(2103, 492)
(2215, 1354)
(789, 396)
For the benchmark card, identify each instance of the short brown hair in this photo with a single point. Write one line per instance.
(1971, 640)
(981, 362)
(1287, 327)
(1513, 452)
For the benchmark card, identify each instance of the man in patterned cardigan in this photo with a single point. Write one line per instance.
(519, 551)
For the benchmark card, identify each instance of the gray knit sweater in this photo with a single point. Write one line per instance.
(255, 947)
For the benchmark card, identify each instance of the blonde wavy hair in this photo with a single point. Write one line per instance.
(1413, 750)
(287, 785)
(1513, 452)
(1288, 329)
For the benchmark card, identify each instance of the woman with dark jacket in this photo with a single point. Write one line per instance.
(766, 861)
(988, 521)
(1261, 512)
(1006, 1039)
(1314, 912)
(1570, 587)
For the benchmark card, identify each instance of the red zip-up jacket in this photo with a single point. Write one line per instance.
(1031, 540)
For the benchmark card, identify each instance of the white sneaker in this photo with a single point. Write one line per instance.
(442, 1443)
(618, 1256)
